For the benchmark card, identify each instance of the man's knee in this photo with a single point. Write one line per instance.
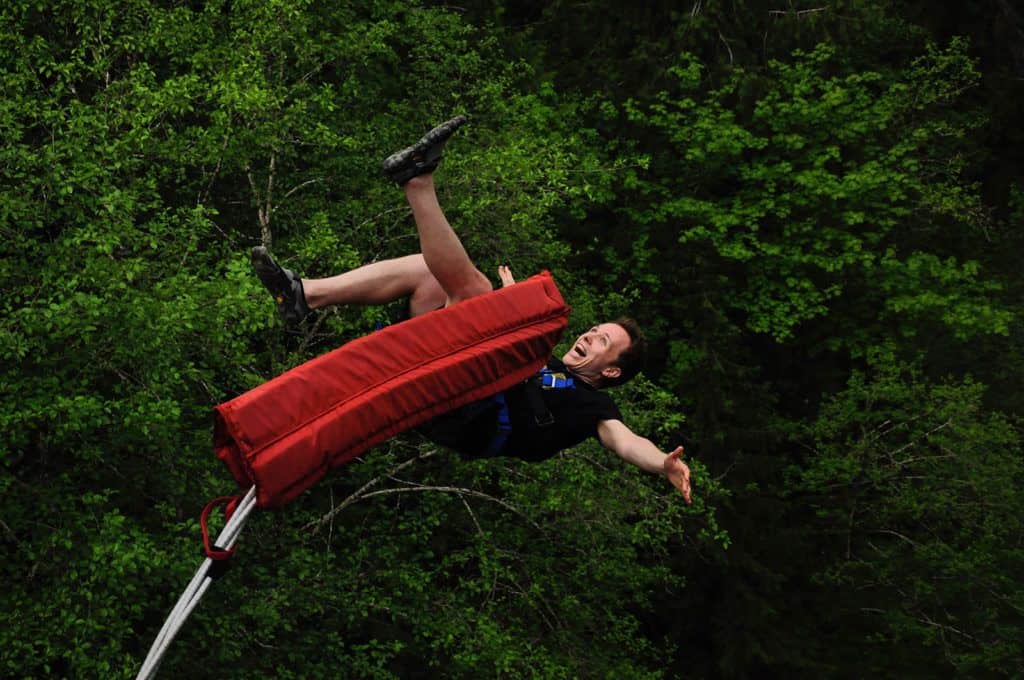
(478, 284)
(427, 296)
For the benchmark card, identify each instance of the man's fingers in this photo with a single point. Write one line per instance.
(686, 478)
(679, 472)
(683, 485)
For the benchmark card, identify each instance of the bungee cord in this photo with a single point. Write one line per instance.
(211, 568)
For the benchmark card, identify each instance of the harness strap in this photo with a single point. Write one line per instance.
(500, 438)
(535, 398)
(546, 379)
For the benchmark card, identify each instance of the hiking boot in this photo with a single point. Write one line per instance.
(423, 156)
(283, 284)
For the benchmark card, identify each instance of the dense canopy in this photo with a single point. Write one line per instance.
(815, 209)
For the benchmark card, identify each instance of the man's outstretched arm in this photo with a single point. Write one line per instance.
(641, 452)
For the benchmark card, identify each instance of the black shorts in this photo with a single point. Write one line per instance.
(468, 429)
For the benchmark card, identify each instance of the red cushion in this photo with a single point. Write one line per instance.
(286, 434)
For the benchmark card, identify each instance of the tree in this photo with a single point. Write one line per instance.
(914, 489)
(148, 147)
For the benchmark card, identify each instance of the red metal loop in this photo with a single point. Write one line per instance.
(212, 551)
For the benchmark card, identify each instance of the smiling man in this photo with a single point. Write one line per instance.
(559, 408)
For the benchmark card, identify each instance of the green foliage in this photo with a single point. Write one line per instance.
(916, 510)
(814, 212)
(149, 146)
(808, 187)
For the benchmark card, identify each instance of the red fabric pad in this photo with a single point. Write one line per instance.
(286, 434)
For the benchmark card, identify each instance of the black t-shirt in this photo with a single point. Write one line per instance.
(576, 411)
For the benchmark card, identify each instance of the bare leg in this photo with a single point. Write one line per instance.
(441, 274)
(442, 251)
(379, 283)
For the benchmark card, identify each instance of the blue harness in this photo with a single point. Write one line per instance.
(546, 379)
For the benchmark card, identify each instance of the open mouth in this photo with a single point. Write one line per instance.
(580, 351)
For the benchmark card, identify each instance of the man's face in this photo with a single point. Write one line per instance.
(594, 353)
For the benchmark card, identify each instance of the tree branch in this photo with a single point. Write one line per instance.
(456, 490)
(726, 43)
(897, 534)
(205, 195)
(264, 205)
(306, 183)
(796, 12)
(358, 495)
(265, 233)
(892, 454)
(265, 221)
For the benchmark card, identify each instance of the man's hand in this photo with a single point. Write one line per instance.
(678, 473)
(641, 452)
(505, 274)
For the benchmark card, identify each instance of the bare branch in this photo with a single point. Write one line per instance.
(315, 526)
(942, 627)
(896, 534)
(456, 490)
(306, 183)
(892, 454)
(312, 332)
(472, 516)
(205, 195)
(264, 204)
(796, 12)
(252, 181)
(265, 233)
(907, 461)
(9, 532)
(403, 210)
(726, 43)
(269, 206)
(726, 472)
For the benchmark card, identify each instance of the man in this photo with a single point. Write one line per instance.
(533, 421)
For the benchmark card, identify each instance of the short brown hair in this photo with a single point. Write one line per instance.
(630, 360)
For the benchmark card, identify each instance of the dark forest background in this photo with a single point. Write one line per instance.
(814, 208)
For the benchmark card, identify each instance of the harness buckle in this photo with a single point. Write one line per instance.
(555, 381)
(544, 420)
